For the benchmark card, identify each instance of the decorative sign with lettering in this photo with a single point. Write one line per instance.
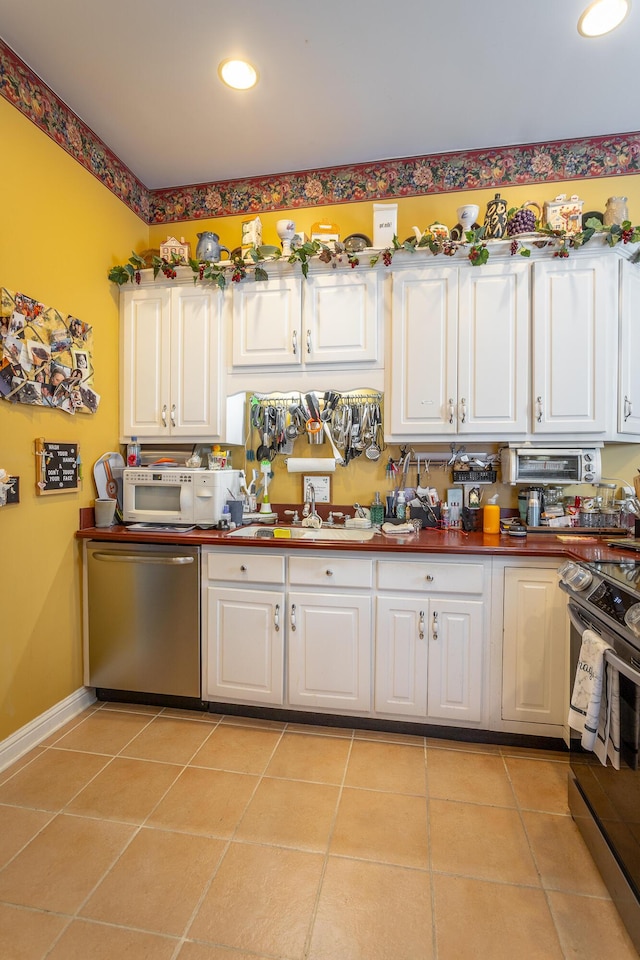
(57, 467)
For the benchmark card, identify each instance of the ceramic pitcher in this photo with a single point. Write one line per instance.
(495, 219)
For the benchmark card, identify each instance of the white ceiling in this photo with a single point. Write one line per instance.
(340, 82)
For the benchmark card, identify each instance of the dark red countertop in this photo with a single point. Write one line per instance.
(426, 541)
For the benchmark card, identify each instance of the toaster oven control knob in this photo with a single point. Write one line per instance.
(575, 576)
(632, 619)
(588, 477)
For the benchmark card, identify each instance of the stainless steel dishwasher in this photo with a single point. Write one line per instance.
(143, 616)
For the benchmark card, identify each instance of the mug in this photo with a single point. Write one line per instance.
(104, 510)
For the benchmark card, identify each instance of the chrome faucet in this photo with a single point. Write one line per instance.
(310, 501)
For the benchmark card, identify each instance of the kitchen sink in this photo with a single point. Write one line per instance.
(258, 532)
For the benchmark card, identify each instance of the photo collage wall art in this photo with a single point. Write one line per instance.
(45, 358)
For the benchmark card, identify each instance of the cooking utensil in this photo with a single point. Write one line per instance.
(336, 453)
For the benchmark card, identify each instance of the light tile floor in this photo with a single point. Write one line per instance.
(149, 834)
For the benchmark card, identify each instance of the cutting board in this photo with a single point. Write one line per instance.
(107, 475)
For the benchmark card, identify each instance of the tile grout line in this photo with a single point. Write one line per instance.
(185, 934)
(314, 910)
(432, 889)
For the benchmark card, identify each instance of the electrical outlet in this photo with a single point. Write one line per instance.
(13, 495)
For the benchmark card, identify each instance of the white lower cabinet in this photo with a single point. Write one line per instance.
(243, 627)
(329, 632)
(534, 647)
(430, 649)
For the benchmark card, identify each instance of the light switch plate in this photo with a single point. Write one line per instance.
(321, 485)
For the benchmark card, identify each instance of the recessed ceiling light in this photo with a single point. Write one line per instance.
(238, 74)
(603, 16)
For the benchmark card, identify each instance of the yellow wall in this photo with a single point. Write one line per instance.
(363, 477)
(61, 231)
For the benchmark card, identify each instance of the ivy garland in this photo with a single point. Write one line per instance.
(478, 253)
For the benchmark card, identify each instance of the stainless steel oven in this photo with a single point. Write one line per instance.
(604, 596)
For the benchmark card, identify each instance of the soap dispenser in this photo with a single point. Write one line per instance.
(376, 511)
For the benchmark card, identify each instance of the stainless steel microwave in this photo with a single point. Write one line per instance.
(551, 465)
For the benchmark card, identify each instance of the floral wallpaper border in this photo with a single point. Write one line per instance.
(578, 159)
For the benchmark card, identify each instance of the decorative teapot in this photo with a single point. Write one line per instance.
(209, 247)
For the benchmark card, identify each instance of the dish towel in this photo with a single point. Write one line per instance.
(607, 744)
(592, 698)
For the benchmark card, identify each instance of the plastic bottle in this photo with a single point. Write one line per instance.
(401, 506)
(376, 511)
(133, 453)
(444, 514)
(491, 517)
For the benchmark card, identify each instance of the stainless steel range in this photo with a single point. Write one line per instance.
(604, 596)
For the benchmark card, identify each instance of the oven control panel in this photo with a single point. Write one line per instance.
(612, 600)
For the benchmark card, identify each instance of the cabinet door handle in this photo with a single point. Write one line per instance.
(627, 408)
(294, 342)
(276, 618)
(308, 341)
(434, 626)
(164, 415)
(293, 616)
(173, 414)
(463, 410)
(452, 410)
(539, 404)
(421, 625)
(429, 578)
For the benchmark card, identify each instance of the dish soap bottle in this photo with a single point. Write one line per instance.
(133, 453)
(401, 506)
(376, 511)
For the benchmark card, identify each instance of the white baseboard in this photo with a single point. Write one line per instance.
(36, 730)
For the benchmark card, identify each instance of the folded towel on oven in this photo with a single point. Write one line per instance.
(607, 745)
(586, 699)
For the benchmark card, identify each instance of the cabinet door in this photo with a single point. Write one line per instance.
(422, 384)
(145, 344)
(196, 326)
(534, 646)
(493, 349)
(340, 318)
(329, 651)
(456, 644)
(401, 656)
(244, 656)
(266, 323)
(574, 306)
(629, 368)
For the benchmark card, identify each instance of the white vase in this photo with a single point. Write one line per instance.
(467, 216)
(286, 230)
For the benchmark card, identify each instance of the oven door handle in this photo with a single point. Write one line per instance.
(582, 623)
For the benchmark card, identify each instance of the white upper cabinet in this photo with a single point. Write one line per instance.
(493, 348)
(266, 323)
(329, 318)
(170, 362)
(459, 345)
(422, 373)
(629, 367)
(575, 321)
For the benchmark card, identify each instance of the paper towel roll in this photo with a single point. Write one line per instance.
(311, 465)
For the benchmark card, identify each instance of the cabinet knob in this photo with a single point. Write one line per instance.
(243, 569)
(429, 578)
(329, 573)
